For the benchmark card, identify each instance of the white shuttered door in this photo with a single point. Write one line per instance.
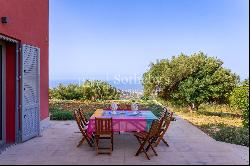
(30, 92)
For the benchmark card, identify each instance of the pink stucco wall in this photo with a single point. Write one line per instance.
(29, 23)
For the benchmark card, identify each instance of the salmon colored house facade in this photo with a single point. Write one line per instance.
(24, 70)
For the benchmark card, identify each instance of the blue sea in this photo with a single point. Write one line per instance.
(122, 85)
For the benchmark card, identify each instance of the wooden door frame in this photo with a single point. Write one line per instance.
(4, 39)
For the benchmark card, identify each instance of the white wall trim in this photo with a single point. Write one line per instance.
(5, 38)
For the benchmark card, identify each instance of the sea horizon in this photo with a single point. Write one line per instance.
(126, 85)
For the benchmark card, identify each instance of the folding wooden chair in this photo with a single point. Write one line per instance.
(104, 130)
(168, 113)
(164, 112)
(83, 117)
(86, 122)
(148, 138)
(83, 129)
(165, 122)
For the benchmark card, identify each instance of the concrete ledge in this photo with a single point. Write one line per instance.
(44, 124)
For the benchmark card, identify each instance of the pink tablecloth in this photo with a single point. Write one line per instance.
(124, 121)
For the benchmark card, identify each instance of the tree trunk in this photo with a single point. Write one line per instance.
(193, 107)
(190, 108)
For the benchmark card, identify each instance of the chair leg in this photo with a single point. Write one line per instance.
(97, 145)
(89, 142)
(146, 153)
(81, 142)
(141, 146)
(153, 141)
(91, 139)
(111, 145)
(150, 145)
(88, 139)
(112, 139)
(166, 143)
(158, 140)
(141, 149)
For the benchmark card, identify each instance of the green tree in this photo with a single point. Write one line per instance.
(100, 90)
(69, 92)
(90, 90)
(190, 80)
(240, 100)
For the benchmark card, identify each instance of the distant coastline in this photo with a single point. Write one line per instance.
(125, 86)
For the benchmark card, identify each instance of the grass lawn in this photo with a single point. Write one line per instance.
(218, 121)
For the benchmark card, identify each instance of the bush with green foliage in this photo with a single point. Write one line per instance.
(69, 92)
(89, 107)
(190, 80)
(229, 134)
(100, 90)
(60, 114)
(240, 100)
(221, 122)
(90, 90)
(239, 136)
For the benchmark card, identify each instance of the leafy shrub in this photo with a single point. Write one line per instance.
(155, 107)
(145, 98)
(90, 90)
(89, 107)
(59, 114)
(69, 92)
(99, 90)
(234, 135)
(221, 122)
(240, 100)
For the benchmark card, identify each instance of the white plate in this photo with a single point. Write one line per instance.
(134, 113)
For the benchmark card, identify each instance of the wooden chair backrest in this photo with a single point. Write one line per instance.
(154, 129)
(103, 126)
(165, 117)
(164, 112)
(165, 122)
(83, 117)
(79, 121)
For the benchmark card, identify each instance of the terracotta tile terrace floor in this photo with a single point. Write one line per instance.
(188, 145)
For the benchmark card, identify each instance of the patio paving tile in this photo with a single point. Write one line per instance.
(188, 145)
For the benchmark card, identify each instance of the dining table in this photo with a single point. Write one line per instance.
(124, 120)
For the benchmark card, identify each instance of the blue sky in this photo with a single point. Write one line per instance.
(107, 38)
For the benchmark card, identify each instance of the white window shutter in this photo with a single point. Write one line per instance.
(30, 92)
